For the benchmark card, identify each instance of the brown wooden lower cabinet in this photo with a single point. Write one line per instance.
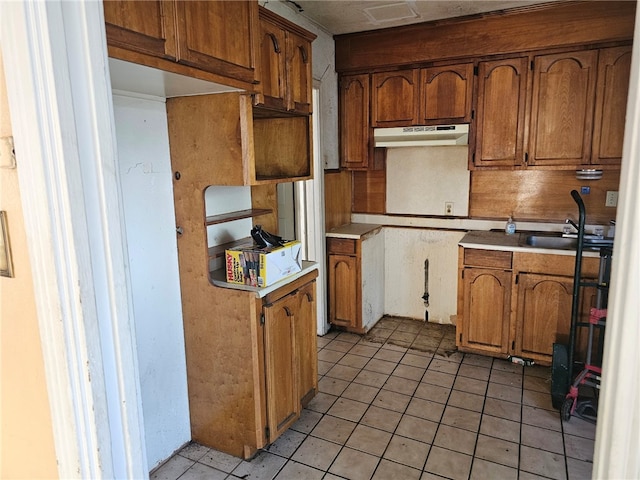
(516, 303)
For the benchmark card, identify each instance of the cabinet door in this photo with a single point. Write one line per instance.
(306, 343)
(283, 401)
(395, 100)
(219, 37)
(299, 76)
(500, 112)
(354, 121)
(143, 26)
(543, 314)
(485, 310)
(272, 64)
(614, 65)
(344, 291)
(562, 108)
(445, 94)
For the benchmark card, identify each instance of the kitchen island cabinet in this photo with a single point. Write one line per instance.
(514, 299)
(356, 276)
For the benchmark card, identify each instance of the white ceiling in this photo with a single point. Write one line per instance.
(347, 16)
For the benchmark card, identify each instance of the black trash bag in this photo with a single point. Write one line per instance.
(265, 239)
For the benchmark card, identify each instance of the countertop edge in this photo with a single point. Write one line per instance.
(353, 231)
(218, 278)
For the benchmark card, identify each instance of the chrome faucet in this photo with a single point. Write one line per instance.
(566, 231)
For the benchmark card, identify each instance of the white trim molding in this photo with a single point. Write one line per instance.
(62, 118)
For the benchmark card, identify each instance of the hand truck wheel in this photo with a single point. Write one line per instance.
(565, 411)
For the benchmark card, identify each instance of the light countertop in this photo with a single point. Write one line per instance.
(354, 230)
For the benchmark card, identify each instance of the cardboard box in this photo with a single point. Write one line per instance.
(260, 267)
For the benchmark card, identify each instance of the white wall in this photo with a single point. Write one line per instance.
(145, 174)
(406, 250)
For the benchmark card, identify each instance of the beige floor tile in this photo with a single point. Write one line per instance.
(287, 443)
(541, 418)
(473, 371)
(381, 418)
(380, 366)
(537, 399)
(470, 385)
(469, 401)
(461, 418)
(324, 367)
(443, 366)
(172, 468)
(200, 471)
(370, 440)
(407, 451)
(538, 384)
(415, 360)
(502, 409)
(433, 392)
(455, 439)
(395, 347)
(537, 371)
(522, 475)
(264, 466)
(360, 392)
(402, 337)
(409, 372)
(506, 378)
(321, 402)
(413, 326)
(354, 464)
(194, 451)
(497, 451)
(543, 463)
(400, 385)
(477, 360)
(352, 360)
(333, 429)
(503, 392)
(484, 470)
(348, 409)
(389, 322)
(417, 429)
(506, 366)
(388, 355)
(448, 464)
(323, 341)
(425, 409)
(349, 337)
(296, 471)
(373, 379)
(579, 448)
(500, 428)
(580, 428)
(331, 356)
(438, 378)
(392, 401)
(339, 346)
(316, 453)
(579, 470)
(343, 372)
(379, 335)
(364, 350)
(220, 460)
(390, 470)
(543, 439)
(332, 386)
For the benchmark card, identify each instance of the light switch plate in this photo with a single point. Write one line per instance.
(611, 199)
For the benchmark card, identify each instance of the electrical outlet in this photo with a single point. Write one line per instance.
(611, 198)
(448, 208)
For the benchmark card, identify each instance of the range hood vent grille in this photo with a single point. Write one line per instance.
(422, 136)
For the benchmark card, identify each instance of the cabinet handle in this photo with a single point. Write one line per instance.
(309, 297)
(179, 231)
(274, 40)
(288, 311)
(303, 52)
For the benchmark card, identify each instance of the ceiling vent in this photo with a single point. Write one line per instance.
(390, 13)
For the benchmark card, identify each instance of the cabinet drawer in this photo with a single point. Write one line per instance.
(488, 258)
(345, 246)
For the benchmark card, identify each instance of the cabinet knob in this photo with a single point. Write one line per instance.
(177, 175)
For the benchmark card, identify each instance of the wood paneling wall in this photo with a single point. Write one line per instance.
(516, 30)
(369, 191)
(539, 195)
(337, 198)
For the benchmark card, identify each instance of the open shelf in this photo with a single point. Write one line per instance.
(218, 250)
(237, 215)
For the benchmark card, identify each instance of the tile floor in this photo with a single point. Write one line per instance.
(402, 403)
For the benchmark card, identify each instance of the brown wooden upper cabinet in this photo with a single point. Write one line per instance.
(426, 96)
(574, 109)
(285, 61)
(355, 132)
(217, 37)
(614, 66)
(500, 112)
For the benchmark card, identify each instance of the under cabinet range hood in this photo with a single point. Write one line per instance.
(422, 136)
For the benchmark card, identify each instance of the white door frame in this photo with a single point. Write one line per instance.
(62, 120)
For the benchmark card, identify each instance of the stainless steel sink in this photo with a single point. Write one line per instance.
(551, 240)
